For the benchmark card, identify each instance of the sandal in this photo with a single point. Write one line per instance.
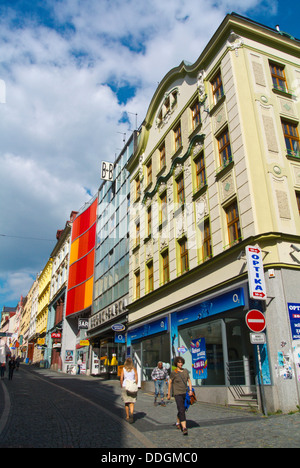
(185, 431)
(178, 426)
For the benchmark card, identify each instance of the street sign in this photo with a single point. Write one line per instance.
(258, 338)
(256, 321)
(256, 278)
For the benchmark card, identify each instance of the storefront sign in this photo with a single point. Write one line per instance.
(56, 335)
(83, 324)
(108, 314)
(84, 343)
(294, 313)
(199, 359)
(118, 327)
(256, 276)
(107, 171)
(120, 337)
(148, 329)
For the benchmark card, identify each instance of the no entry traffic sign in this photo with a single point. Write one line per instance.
(256, 321)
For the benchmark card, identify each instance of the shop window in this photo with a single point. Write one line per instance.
(212, 332)
(150, 351)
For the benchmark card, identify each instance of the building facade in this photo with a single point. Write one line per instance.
(79, 296)
(109, 313)
(59, 276)
(216, 171)
(44, 283)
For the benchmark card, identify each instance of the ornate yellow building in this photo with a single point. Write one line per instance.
(217, 170)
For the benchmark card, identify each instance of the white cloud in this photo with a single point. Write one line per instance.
(60, 118)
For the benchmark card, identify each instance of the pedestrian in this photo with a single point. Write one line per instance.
(79, 364)
(18, 363)
(128, 375)
(159, 376)
(179, 380)
(11, 367)
(2, 369)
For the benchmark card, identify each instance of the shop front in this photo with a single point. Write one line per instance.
(106, 333)
(212, 337)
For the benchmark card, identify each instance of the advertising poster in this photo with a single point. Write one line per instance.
(199, 359)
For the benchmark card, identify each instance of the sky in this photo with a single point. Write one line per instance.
(75, 76)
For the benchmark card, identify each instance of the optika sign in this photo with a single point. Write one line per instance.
(256, 278)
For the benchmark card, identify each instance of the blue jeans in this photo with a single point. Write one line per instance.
(159, 388)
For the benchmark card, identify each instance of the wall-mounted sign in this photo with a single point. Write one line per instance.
(118, 327)
(83, 324)
(110, 313)
(294, 313)
(107, 171)
(56, 335)
(256, 278)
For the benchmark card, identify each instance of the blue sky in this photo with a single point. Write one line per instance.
(74, 74)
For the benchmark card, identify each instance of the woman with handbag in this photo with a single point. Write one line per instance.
(180, 379)
(128, 381)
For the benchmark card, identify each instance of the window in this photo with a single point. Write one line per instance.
(162, 156)
(150, 282)
(180, 190)
(149, 172)
(163, 213)
(165, 267)
(137, 284)
(137, 188)
(137, 233)
(196, 119)
(200, 171)
(278, 77)
(149, 221)
(217, 88)
(206, 241)
(224, 148)
(291, 136)
(298, 200)
(177, 137)
(184, 256)
(233, 223)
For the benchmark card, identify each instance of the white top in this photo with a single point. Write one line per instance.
(128, 376)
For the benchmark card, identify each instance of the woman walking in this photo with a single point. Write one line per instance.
(180, 379)
(128, 374)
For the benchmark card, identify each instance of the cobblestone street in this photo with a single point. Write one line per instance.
(41, 409)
